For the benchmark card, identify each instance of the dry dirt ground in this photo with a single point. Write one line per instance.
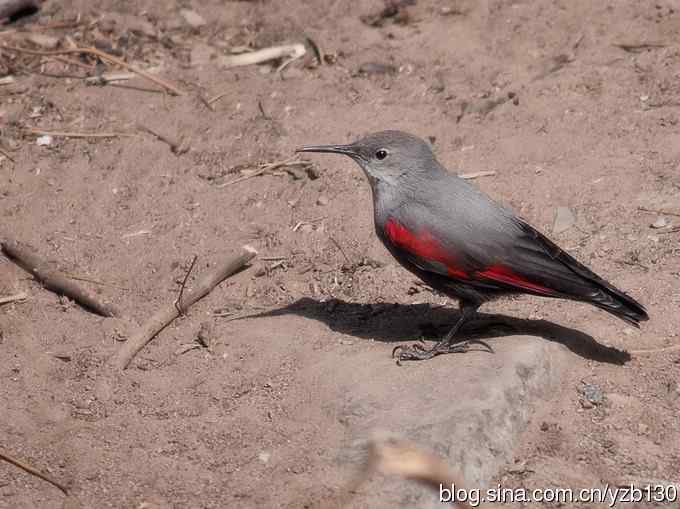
(593, 126)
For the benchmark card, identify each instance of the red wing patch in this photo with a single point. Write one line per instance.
(422, 244)
(507, 276)
(425, 246)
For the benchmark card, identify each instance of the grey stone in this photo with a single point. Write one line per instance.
(592, 393)
(469, 409)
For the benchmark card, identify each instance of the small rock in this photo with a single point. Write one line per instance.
(564, 219)
(592, 394)
(642, 429)
(661, 222)
(264, 457)
(192, 18)
(260, 271)
(44, 141)
(312, 172)
(44, 41)
(322, 200)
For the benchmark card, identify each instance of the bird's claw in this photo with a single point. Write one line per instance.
(417, 352)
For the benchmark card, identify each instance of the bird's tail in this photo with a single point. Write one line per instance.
(583, 284)
(619, 304)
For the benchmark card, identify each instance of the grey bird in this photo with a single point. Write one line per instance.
(460, 242)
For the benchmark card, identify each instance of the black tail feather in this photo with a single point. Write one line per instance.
(603, 295)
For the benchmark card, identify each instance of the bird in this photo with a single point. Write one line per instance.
(462, 243)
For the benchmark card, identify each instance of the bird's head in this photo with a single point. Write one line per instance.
(389, 157)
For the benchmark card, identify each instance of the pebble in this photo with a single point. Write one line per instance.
(264, 457)
(661, 222)
(192, 18)
(593, 395)
(44, 141)
(564, 219)
(322, 200)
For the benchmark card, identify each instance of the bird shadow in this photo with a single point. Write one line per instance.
(391, 323)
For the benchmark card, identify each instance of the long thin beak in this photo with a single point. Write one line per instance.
(333, 149)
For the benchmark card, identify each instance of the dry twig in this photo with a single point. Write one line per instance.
(664, 349)
(54, 280)
(477, 174)
(13, 298)
(177, 147)
(67, 134)
(177, 302)
(659, 211)
(104, 56)
(4, 153)
(28, 468)
(167, 314)
(639, 47)
(216, 98)
(267, 167)
(291, 51)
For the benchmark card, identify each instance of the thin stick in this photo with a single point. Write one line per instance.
(180, 310)
(167, 314)
(54, 280)
(477, 174)
(217, 98)
(2, 151)
(659, 211)
(28, 468)
(66, 134)
(266, 167)
(293, 51)
(104, 56)
(655, 350)
(339, 248)
(177, 147)
(13, 298)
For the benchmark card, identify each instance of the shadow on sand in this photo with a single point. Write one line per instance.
(403, 323)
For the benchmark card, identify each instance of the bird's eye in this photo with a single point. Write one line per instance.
(381, 154)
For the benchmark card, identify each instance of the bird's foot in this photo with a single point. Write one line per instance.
(417, 352)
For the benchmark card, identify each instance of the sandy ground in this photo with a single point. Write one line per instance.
(592, 125)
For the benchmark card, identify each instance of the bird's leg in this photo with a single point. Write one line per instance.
(417, 352)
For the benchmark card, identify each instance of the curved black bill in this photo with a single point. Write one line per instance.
(332, 149)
